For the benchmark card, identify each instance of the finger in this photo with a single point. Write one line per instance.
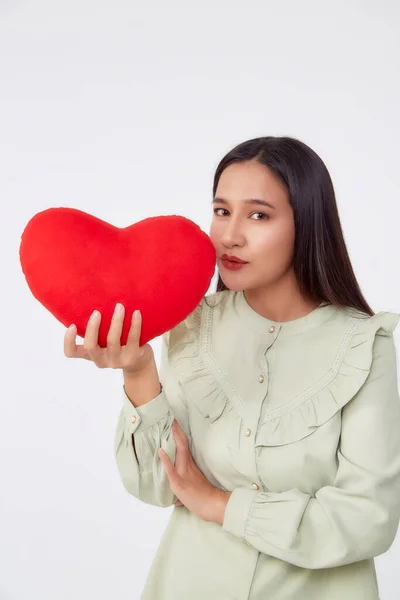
(178, 428)
(135, 330)
(170, 470)
(71, 349)
(114, 333)
(90, 341)
(179, 435)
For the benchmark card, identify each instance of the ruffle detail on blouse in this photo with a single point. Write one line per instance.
(318, 403)
(184, 338)
(195, 377)
(204, 391)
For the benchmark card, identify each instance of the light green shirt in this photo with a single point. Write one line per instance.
(300, 420)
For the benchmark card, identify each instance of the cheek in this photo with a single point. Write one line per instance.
(214, 226)
(277, 243)
(216, 231)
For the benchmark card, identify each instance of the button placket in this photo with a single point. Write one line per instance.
(265, 347)
(262, 379)
(250, 454)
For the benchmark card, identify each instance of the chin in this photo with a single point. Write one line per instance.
(233, 285)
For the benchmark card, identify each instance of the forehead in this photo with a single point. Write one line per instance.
(240, 181)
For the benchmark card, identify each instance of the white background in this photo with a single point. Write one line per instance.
(123, 110)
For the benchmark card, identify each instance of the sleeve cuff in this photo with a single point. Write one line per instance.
(144, 416)
(237, 511)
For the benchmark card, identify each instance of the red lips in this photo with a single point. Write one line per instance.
(233, 258)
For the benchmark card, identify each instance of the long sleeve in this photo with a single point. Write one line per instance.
(357, 517)
(141, 431)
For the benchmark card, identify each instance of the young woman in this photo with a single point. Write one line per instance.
(275, 431)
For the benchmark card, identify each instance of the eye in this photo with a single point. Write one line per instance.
(215, 211)
(263, 215)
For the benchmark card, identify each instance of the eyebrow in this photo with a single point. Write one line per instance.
(249, 201)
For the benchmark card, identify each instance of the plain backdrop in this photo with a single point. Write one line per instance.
(123, 110)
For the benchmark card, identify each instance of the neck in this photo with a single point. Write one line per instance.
(280, 302)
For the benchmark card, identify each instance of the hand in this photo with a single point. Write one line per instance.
(131, 357)
(188, 483)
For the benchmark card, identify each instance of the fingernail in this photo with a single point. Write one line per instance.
(95, 314)
(119, 307)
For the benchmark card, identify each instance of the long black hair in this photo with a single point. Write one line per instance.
(320, 259)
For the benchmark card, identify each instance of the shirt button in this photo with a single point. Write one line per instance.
(133, 419)
(271, 329)
(247, 433)
(261, 378)
(255, 486)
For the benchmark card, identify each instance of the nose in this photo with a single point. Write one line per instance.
(232, 234)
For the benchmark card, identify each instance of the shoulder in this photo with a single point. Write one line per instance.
(370, 347)
(368, 329)
(191, 325)
(187, 331)
(383, 322)
(360, 329)
(371, 336)
(377, 333)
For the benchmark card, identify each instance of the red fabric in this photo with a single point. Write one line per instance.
(75, 263)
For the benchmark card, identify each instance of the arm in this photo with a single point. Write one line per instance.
(144, 428)
(356, 517)
(141, 387)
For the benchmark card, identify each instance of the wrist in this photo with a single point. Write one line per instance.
(221, 499)
(143, 385)
(138, 373)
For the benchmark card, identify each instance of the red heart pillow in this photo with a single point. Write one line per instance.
(75, 263)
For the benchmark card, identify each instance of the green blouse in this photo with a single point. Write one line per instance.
(300, 420)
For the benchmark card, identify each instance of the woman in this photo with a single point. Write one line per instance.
(276, 429)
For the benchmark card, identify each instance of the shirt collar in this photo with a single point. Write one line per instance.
(262, 325)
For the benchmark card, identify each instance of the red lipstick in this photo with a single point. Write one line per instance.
(233, 263)
(233, 259)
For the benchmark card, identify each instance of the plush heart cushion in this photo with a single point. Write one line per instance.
(75, 263)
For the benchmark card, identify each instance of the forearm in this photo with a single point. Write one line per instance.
(143, 386)
(219, 505)
(136, 454)
(144, 426)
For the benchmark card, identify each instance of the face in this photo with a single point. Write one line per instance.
(261, 235)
